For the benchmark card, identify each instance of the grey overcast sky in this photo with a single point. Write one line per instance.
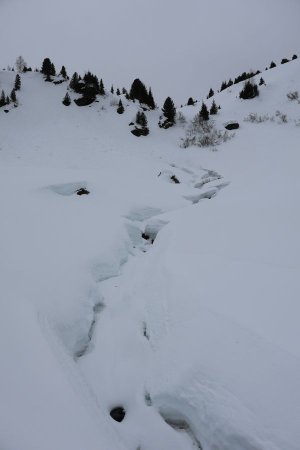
(179, 47)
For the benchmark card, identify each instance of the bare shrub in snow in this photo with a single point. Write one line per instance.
(293, 95)
(256, 118)
(282, 118)
(203, 133)
(181, 119)
(20, 64)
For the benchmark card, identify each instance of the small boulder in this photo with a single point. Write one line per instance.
(232, 126)
(118, 413)
(174, 179)
(140, 131)
(82, 191)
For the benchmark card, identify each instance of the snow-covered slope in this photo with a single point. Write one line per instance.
(181, 48)
(197, 335)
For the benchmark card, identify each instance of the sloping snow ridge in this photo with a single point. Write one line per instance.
(178, 302)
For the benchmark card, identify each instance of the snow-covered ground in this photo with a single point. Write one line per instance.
(197, 335)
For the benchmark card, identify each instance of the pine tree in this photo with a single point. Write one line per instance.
(124, 91)
(63, 72)
(272, 65)
(101, 88)
(17, 83)
(13, 96)
(223, 86)
(169, 110)
(66, 100)
(190, 102)
(118, 91)
(53, 72)
(47, 67)
(112, 89)
(211, 93)
(284, 61)
(261, 81)
(74, 81)
(204, 114)
(141, 119)
(7, 100)
(138, 91)
(294, 57)
(120, 108)
(213, 109)
(150, 100)
(2, 99)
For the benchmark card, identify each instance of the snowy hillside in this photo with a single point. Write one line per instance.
(196, 337)
(181, 48)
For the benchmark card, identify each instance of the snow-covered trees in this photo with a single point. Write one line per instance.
(20, 64)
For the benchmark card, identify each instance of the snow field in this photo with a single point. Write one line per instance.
(198, 331)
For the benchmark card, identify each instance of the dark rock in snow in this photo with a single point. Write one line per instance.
(174, 179)
(118, 413)
(145, 236)
(232, 126)
(140, 132)
(82, 191)
(84, 101)
(6, 110)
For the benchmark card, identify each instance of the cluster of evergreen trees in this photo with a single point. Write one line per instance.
(242, 77)
(89, 87)
(246, 76)
(138, 91)
(250, 90)
(48, 69)
(12, 98)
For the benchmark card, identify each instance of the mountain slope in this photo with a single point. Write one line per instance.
(180, 48)
(198, 331)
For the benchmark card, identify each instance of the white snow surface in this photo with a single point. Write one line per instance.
(199, 330)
